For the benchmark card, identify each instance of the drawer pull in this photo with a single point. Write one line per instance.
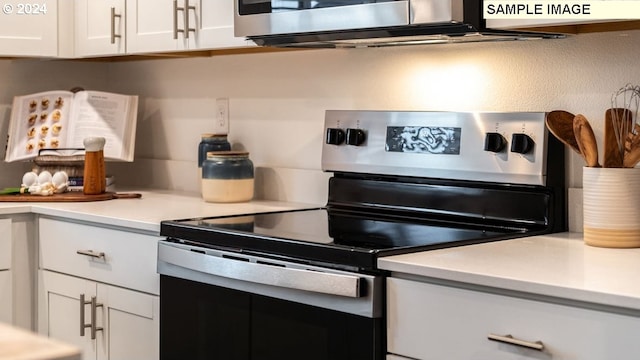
(91, 253)
(508, 339)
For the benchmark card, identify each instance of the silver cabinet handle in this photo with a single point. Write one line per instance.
(508, 339)
(113, 25)
(94, 310)
(82, 324)
(175, 19)
(91, 253)
(94, 317)
(186, 10)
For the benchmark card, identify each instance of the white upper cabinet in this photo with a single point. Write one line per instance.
(215, 26)
(100, 27)
(43, 28)
(175, 25)
(90, 28)
(153, 25)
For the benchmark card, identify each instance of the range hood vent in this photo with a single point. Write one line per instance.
(396, 36)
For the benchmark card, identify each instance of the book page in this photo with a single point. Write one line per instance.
(106, 115)
(38, 121)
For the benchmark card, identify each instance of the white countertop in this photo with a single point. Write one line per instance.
(19, 344)
(557, 265)
(146, 213)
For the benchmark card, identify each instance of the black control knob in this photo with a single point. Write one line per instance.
(521, 143)
(355, 137)
(494, 142)
(335, 136)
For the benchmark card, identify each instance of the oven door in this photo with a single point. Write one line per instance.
(219, 305)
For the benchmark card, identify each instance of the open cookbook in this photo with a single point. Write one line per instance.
(63, 119)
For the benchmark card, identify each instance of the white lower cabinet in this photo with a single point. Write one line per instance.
(6, 282)
(6, 297)
(125, 325)
(98, 289)
(428, 321)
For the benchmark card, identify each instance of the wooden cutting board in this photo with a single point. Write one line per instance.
(72, 196)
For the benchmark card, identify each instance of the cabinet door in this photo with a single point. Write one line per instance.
(152, 26)
(29, 28)
(5, 244)
(214, 23)
(132, 326)
(6, 283)
(100, 27)
(59, 313)
(6, 295)
(127, 322)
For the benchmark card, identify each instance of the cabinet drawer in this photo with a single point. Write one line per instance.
(427, 321)
(129, 259)
(5, 244)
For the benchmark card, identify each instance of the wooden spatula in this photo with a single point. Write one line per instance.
(586, 140)
(615, 120)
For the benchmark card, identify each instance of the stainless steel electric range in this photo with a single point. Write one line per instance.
(304, 284)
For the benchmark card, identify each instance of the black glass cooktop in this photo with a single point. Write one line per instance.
(342, 238)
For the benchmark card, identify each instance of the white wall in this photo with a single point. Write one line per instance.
(278, 99)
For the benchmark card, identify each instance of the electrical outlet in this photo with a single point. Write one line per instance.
(221, 123)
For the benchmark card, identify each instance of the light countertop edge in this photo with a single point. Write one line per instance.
(557, 265)
(146, 213)
(19, 344)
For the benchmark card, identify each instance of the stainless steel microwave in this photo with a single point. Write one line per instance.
(354, 23)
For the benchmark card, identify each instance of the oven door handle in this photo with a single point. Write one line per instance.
(266, 273)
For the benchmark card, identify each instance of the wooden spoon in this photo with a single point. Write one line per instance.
(632, 148)
(560, 123)
(586, 140)
(616, 120)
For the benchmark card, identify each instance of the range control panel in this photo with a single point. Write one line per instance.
(481, 146)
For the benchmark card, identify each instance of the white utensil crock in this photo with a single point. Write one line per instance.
(611, 199)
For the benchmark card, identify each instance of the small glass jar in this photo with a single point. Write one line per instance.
(227, 176)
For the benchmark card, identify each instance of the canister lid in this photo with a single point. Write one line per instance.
(223, 154)
(212, 135)
(92, 144)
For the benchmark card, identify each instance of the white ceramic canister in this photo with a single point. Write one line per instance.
(227, 176)
(611, 207)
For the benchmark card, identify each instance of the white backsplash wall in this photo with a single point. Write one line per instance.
(277, 100)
